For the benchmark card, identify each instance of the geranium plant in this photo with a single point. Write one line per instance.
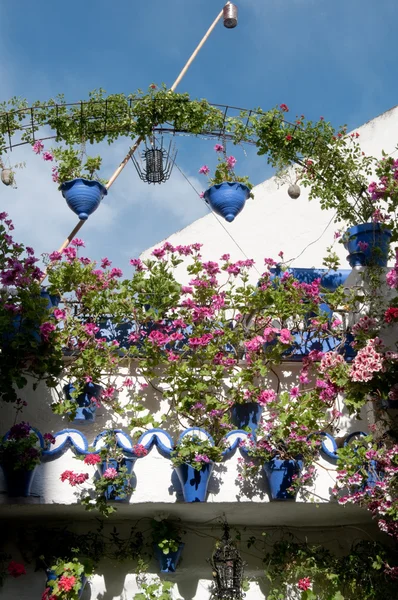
(196, 452)
(367, 475)
(20, 450)
(225, 170)
(29, 343)
(69, 163)
(66, 578)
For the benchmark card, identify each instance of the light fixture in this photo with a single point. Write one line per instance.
(158, 163)
(230, 15)
(228, 568)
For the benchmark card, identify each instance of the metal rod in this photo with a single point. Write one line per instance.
(140, 139)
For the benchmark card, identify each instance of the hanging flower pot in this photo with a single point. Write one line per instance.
(7, 176)
(227, 199)
(194, 483)
(168, 562)
(280, 477)
(83, 196)
(51, 576)
(86, 401)
(367, 245)
(18, 481)
(114, 492)
(247, 415)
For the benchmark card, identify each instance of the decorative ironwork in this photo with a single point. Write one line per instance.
(228, 569)
(230, 15)
(158, 163)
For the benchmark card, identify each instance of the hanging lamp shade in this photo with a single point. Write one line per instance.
(228, 568)
(230, 15)
(157, 162)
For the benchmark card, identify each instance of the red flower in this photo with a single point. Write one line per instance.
(391, 315)
(140, 450)
(47, 595)
(92, 459)
(304, 584)
(66, 583)
(284, 108)
(288, 138)
(153, 86)
(16, 569)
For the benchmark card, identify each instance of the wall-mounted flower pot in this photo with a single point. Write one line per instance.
(111, 494)
(227, 199)
(20, 324)
(86, 402)
(18, 481)
(194, 483)
(280, 477)
(83, 196)
(51, 576)
(247, 415)
(168, 562)
(367, 245)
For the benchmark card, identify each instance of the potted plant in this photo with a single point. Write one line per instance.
(193, 459)
(81, 406)
(166, 540)
(7, 174)
(79, 183)
(228, 192)
(66, 579)
(111, 479)
(28, 334)
(20, 453)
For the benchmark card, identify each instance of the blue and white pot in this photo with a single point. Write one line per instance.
(247, 415)
(280, 477)
(194, 483)
(18, 481)
(83, 196)
(111, 492)
(168, 562)
(367, 245)
(227, 199)
(86, 404)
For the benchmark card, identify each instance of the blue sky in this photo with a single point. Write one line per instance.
(335, 59)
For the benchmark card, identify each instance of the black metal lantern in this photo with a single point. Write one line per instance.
(158, 163)
(227, 569)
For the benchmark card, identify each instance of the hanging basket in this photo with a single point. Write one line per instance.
(7, 176)
(86, 402)
(83, 196)
(194, 483)
(280, 477)
(18, 481)
(367, 245)
(227, 199)
(247, 415)
(168, 562)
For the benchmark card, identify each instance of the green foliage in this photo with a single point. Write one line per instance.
(155, 589)
(166, 535)
(363, 573)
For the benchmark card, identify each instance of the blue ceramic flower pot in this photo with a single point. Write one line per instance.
(194, 483)
(111, 492)
(51, 576)
(19, 482)
(83, 196)
(168, 562)
(280, 477)
(367, 245)
(19, 324)
(247, 415)
(227, 199)
(87, 406)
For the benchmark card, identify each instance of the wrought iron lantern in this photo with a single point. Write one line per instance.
(230, 15)
(158, 163)
(228, 569)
